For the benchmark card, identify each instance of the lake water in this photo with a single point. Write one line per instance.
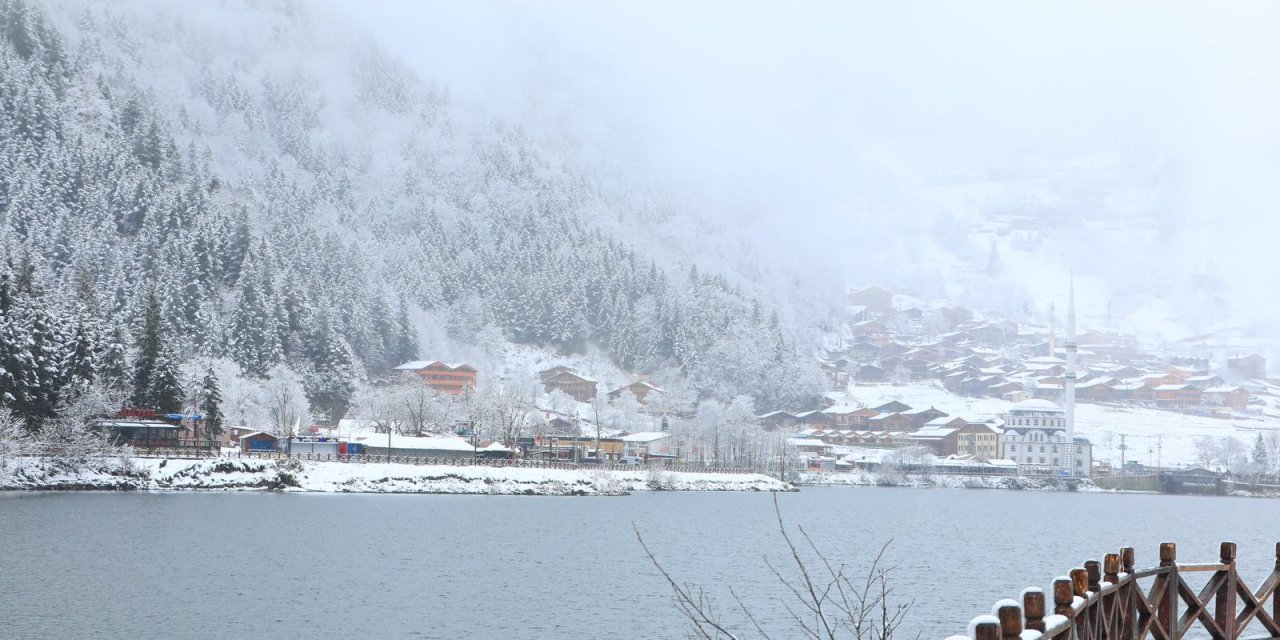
(259, 565)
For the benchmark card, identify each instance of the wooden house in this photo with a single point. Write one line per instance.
(1235, 398)
(1250, 366)
(640, 389)
(877, 300)
(450, 378)
(1176, 396)
(569, 382)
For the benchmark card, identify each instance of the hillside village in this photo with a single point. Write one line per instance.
(887, 342)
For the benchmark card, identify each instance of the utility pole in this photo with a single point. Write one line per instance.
(1123, 448)
(1159, 446)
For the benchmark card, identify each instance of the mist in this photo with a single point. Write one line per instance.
(859, 129)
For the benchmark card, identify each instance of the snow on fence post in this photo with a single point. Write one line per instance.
(1093, 569)
(1224, 601)
(1167, 608)
(985, 628)
(1010, 616)
(1033, 605)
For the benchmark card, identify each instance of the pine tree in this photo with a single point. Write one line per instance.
(1260, 453)
(211, 403)
(165, 393)
(150, 343)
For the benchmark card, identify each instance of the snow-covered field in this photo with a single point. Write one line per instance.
(336, 477)
(941, 481)
(1151, 435)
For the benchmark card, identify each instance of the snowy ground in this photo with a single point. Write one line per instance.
(874, 479)
(1152, 435)
(337, 477)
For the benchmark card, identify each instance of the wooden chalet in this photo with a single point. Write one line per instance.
(450, 378)
(568, 382)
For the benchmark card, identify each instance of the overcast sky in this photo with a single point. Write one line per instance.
(835, 112)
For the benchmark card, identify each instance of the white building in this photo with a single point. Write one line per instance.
(1035, 437)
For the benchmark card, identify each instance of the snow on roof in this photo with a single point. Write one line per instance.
(1222, 389)
(440, 442)
(645, 436)
(932, 433)
(1035, 404)
(1173, 387)
(416, 365)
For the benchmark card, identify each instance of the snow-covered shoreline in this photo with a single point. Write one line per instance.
(941, 481)
(151, 474)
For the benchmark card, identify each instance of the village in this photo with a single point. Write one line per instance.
(438, 410)
(882, 345)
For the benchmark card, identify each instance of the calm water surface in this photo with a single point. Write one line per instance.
(256, 565)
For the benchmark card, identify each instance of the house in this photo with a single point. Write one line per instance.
(259, 441)
(1236, 398)
(640, 390)
(869, 373)
(1203, 382)
(144, 434)
(893, 406)
(849, 417)
(450, 378)
(569, 382)
(922, 417)
(813, 419)
(1250, 366)
(876, 299)
(1176, 396)
(1095, 389)
(941, 438)
(650, 445)
(890, 422)
(777, 420)
(869, 328)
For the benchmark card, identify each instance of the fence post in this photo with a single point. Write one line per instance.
(1010, 622)
(1113, 610)
(1080, 589)
(1129, 605)
(1167, 608)
(1093, 569)
(1033, 605)
(986, 630)
(1224, 605)
(1062, 596)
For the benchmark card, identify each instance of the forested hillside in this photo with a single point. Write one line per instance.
(175, 198)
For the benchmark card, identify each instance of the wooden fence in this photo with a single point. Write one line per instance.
(1113, 601)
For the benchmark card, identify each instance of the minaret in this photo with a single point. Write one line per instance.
(1070, 379)
(1053, 331)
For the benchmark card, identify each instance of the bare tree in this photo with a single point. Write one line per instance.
(824, 600)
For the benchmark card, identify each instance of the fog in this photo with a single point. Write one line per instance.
(851, 133)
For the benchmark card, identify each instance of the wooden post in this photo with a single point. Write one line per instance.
(1062, 593)
(1167, 607)
(1094, 570)
(1224, 605)
(1033, 605)
(1080, 589)
(1010, 622)
(986, 631)
(1128, 603)
(1111, 568)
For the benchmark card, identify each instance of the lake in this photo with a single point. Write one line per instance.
(250, 565)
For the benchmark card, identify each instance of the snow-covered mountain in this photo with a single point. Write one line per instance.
(254, 182)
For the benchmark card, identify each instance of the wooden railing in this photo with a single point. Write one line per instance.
(1108, 601)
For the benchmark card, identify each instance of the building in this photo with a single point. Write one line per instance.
(259, 441)
(1035, 437)
(876, 299)
(980, 440)
(777, 420)
(1250, 366)
(451, 378)
(1235, 398)
(569, 382)
(640, 389)
(1176, 396)
(650, 445)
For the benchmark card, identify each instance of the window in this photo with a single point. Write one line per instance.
(1079, 449)
(1055, 462)
(1079, 462)
(1013, 447)
(1055, 448)
(1041, 459)
(1042, 451)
